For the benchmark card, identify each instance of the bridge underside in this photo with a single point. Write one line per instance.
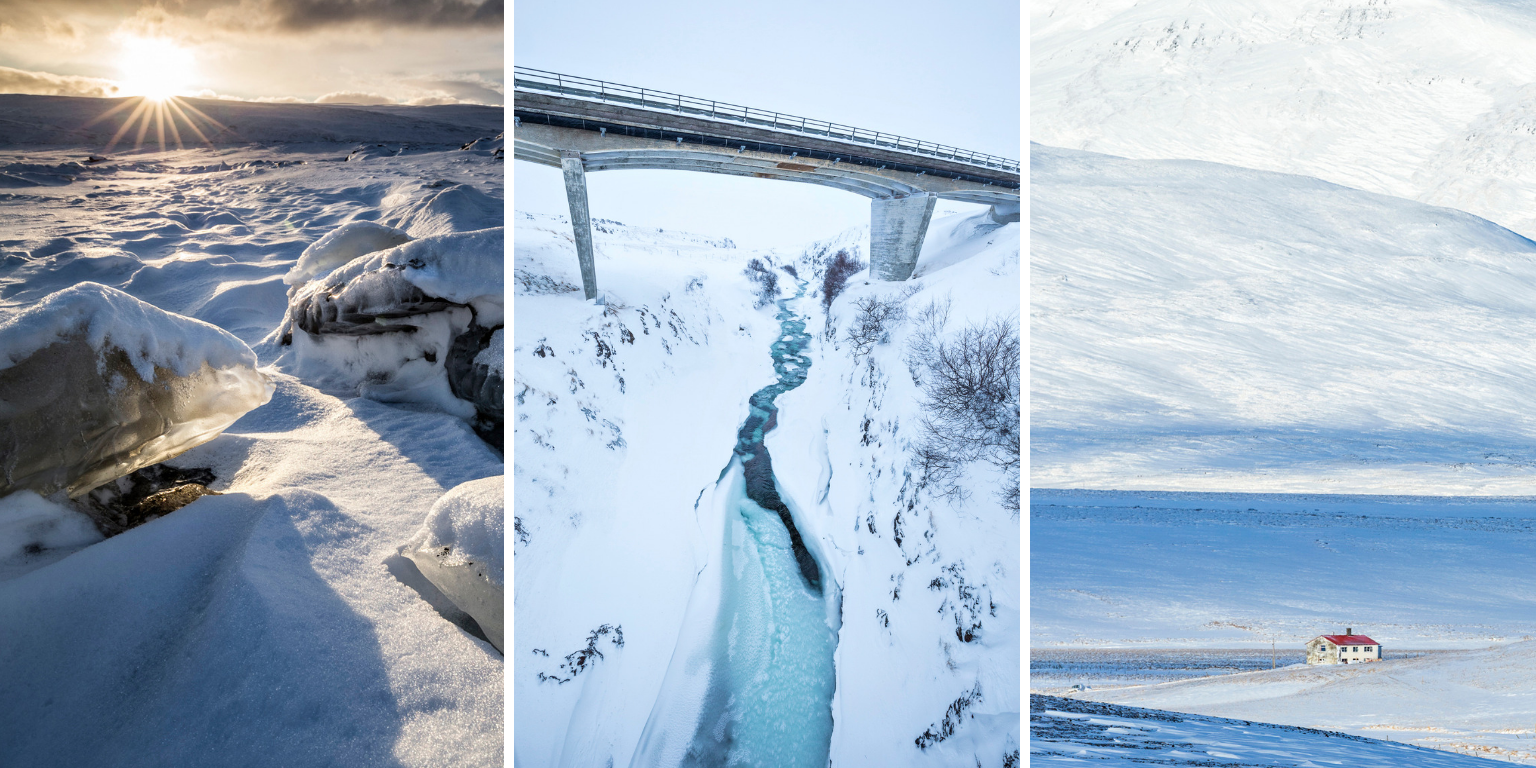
(902, 187)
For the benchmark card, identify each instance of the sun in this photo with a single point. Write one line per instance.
(155, 68)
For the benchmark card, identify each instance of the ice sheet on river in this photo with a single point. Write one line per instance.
(95, 384)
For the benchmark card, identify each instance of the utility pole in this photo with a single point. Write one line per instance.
(1271, 653)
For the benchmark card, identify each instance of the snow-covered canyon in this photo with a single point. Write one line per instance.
(280, 618)
(629, 531)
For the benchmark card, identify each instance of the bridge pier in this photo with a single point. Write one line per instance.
(897, 228)
(581, 222)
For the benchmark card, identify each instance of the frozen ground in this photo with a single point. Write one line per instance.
(626, 415)
(272, 624)
(1428, 100)
(1068, 732)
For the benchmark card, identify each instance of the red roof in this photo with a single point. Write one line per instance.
(1350, 640)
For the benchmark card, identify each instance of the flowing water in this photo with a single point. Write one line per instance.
(770, 700)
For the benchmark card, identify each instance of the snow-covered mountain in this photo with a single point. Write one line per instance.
(626, 416)
(1203, 327)
(1429, 100)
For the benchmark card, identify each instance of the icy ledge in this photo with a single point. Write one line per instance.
(459, 550)
(95, 384)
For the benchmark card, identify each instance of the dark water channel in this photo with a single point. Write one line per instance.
(770, 696)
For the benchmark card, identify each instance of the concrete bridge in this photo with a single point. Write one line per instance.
(580, 125)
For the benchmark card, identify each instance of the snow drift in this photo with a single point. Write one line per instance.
(95, 384)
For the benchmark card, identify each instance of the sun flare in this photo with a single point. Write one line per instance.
(155, 68)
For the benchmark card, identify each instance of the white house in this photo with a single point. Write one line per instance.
(1348, 648)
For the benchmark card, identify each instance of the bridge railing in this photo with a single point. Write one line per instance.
(527, 78)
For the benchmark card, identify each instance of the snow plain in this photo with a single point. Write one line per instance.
(272, 624)
(1427, 100)
(626, 414)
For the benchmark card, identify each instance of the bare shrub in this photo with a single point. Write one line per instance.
(971, 410)
(873, 319)
(843, 266)
(767, 281)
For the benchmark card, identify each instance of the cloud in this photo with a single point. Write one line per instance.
(301, 15)
(354, 97)
(49, 84)
(280, 15)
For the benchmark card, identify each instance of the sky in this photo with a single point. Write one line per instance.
(947, 73)
(358, 51)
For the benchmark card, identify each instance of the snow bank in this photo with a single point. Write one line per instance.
(95, 384)
(459, 549)
(341, 245)
(388, 325)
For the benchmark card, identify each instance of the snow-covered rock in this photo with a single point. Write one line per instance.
(405, 324)
(95, 384)
(459, 549)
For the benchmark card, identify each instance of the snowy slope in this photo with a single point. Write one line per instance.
(1423, 99)
(625, 413)
(1071, 732)
(626, 416)
(1204, 327)
(913, 566)
(1478, 702)
(275, 623)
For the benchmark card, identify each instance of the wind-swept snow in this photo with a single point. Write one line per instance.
(275, 623)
